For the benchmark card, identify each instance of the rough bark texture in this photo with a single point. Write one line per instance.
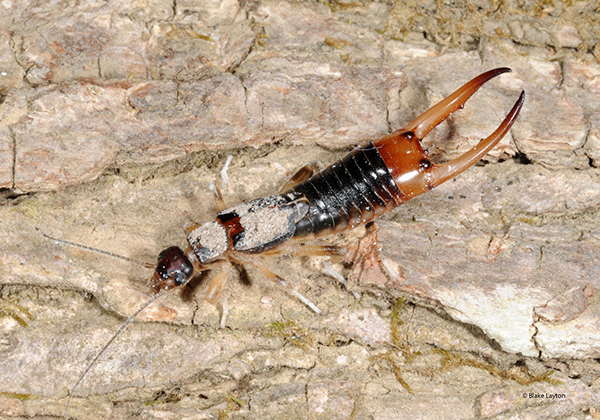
(115, 116)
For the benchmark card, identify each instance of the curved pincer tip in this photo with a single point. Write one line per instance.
(424, 123)
(442, 173)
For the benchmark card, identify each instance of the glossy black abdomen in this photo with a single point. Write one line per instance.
(348, 193)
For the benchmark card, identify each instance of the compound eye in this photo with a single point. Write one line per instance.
(188, 270)
(179, 278)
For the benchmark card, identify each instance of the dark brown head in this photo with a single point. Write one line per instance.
(173, 269)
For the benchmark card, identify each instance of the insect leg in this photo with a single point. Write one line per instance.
(256, 262)
(223, 268)
(217, 196)
(309, 250)
(302, 175)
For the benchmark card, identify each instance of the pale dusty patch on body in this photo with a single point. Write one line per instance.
(209, 241)
(266, 225)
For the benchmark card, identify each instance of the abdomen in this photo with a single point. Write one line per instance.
(352, 191)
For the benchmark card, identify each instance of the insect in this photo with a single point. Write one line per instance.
(368, 182)
(365, 184)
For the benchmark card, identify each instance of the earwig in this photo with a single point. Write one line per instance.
(369, 182)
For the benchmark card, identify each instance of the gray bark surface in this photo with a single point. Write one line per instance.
(116, 116)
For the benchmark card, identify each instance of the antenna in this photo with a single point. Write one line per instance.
(107, 345)
(122, 327)
(99, 251)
